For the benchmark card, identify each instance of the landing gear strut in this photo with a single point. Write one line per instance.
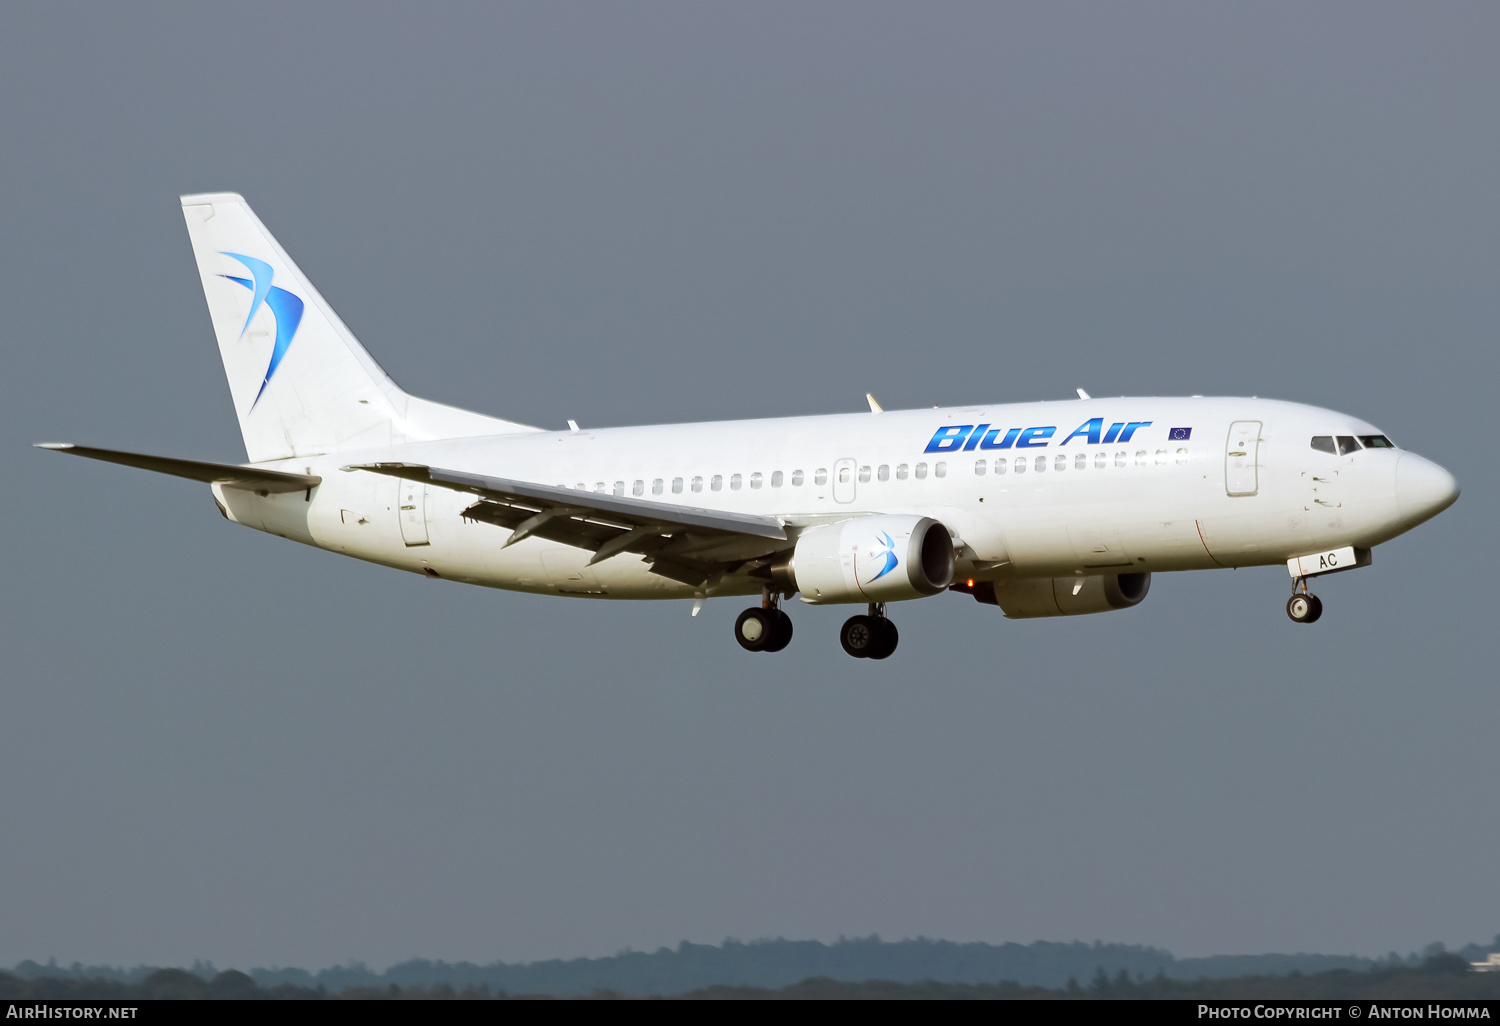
(764, 629)
(1303, 606)
(871, 636)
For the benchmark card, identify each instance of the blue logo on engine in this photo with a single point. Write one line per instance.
(285, 307)
(890, 557)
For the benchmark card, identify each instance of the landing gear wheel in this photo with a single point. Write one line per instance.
(763, 630)
(755, 628)
(781, 631)
(886, 638)
(860, 635)
(1304, 608)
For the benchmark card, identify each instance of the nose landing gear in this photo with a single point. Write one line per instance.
(871, 636)
(1303, 606)
(764, 629)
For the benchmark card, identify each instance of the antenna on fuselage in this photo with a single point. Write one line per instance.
(874, 406)
(1083, 395)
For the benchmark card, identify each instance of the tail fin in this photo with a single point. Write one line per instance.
(301, 382)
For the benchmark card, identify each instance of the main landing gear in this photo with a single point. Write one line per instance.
(1303, 606)
(766, 629)
(871, 636)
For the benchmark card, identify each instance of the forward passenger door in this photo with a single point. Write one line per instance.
(1242, 458)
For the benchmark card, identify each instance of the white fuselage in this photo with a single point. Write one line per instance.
(1087, 502)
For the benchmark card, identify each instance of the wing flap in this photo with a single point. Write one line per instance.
(606, 524)
(610, 508)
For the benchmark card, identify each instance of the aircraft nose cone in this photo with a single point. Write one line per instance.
(1423, 489)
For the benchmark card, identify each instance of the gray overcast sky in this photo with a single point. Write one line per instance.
(216, 744)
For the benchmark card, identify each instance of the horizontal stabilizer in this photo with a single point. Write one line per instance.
(211, 473)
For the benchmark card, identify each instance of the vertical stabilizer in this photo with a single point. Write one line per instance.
(301, 382)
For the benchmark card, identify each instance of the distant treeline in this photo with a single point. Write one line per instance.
(1440, 977)
(764, 966)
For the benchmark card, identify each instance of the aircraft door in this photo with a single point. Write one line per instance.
(1241, 458)
(411, 508)
(843, 480)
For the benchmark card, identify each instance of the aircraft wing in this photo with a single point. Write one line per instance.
(683, 543)
(252, 478)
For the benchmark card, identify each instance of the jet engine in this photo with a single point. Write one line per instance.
(1062, 596)
(871, 559)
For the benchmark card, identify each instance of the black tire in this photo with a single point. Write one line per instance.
(754, 629)
(781, 631)
(888, 638)
(1304, 608)
(858, 635)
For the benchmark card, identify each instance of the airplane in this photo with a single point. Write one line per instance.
(1041, 509)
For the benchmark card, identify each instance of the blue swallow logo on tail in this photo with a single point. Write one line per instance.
(285, 307)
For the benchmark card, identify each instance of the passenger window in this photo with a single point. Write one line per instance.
(639, 488)
(1182, 457)
(921, 471)
(901, 472)
(940, 469)
(981, 467)
(1041, 464)
(697, 484)
(755, 479)
(657, 486)
(1347, 444)
(1000, 466)
(1376, 442)
(843, 475)
(796, 479)
(1101, 460)
(864, 475)
(581, 486)
(1161, 457)
(717, 484)
(1140, 457)
(735, 482)
(1324, 443)
(1121, 458)
(619, 487)
(1081, 461)
(821, 476)
(1060, 462)
(676, 486)
(599, 487)
(776, 479)
(1020, 464)
(884, 473)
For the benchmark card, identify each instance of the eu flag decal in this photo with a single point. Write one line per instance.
(1179, 434)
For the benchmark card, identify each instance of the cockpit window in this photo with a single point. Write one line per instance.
(1324, 443)
(1347, 444)
(1376, 442)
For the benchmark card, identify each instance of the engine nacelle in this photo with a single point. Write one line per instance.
(1067, 596)
(871, 559)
